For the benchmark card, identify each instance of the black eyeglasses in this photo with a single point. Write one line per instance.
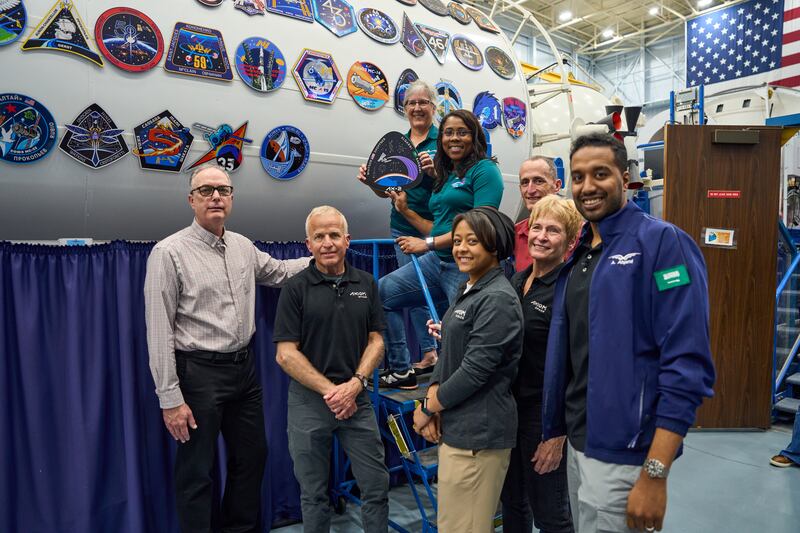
(208, 190)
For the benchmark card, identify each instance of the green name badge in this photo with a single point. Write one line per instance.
(669, 278)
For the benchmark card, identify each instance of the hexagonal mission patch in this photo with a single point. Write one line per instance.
(317, 76)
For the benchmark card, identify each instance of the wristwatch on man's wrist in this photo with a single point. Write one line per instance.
(655, 469)
(362, 378)
(430, 241)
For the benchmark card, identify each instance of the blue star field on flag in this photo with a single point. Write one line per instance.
(734, 42)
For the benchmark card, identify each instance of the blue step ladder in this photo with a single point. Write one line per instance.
(395, 406)
(785, 366)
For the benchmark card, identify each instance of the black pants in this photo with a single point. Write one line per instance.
(223, 396)
(529, 498)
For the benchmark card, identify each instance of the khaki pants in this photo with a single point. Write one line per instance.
(469, 488)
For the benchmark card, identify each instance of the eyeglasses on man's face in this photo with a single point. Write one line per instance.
(208, 190)
(460, 133)
(417, 103)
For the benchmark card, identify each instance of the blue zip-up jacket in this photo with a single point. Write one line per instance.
(649, 353)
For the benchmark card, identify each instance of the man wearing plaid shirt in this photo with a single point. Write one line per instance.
(200, 306)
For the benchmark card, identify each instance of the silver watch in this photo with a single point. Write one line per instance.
(429, 242)
(655, 469)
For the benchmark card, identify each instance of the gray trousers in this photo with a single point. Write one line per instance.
(598, 493)
(311, 426)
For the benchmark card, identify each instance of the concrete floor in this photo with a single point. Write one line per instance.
(722, 483)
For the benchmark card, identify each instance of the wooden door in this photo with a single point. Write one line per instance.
(702, 181)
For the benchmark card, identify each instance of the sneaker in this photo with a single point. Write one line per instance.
(395, 380)
(781, 462)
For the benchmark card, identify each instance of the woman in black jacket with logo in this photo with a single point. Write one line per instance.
(469, 408)
(535, 490)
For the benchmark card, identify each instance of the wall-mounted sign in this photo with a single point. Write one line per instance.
(448, 100)
(435, 6)
(162, 143)
(285, 152)
(297, 9)
(500, 62)
(367, 84)
(27, 129)
(12, 20)
(488, 110)
(227, 146)
(407, 77)
(467, 52)
(480, 18)
(458, 12)
(129, 39)
(336, 15)
(712, 193)
(250, 7)
(93, 139)
(198, 51)
(378, 25)
(62, 30)
(438, 41)
(317, 76)
(719, 237)
(260, 64)
(412, 40)
(515, 116)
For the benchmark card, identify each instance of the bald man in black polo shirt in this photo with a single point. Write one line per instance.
(328, 331)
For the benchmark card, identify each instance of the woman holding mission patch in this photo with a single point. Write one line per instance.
(419, 105)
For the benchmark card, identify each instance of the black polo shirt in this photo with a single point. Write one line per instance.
(577, 308)
(536, 313)
(331, 321)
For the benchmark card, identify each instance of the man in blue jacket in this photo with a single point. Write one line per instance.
(628, 357)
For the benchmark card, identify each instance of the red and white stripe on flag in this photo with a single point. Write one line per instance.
(789, 73)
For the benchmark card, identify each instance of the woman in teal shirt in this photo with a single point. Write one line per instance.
(464, 178)
(419, 104)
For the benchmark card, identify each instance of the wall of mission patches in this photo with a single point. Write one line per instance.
(196, 115)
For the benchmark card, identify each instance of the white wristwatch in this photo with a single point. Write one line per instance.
(430, 241)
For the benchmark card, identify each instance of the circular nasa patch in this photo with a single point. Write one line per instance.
(285, 152)
(28, 130)
(129, 39)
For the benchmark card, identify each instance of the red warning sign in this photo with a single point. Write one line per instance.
(724, 194)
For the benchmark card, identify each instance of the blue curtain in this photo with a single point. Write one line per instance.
(82, 443)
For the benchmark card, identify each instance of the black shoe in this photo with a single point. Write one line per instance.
(425, 370)
(395, 380)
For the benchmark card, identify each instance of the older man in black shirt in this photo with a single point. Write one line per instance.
(328, 332)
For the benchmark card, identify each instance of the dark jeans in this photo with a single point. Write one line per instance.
(311, 426)
(223, 396)
(529, 498)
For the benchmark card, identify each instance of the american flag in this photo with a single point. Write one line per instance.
(758, 40)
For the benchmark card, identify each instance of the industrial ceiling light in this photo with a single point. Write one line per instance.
(653, 11)
(703, 3)
(564, 16)
(608, 33)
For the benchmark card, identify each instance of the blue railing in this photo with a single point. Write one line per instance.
(377, 242)
(779, 375)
